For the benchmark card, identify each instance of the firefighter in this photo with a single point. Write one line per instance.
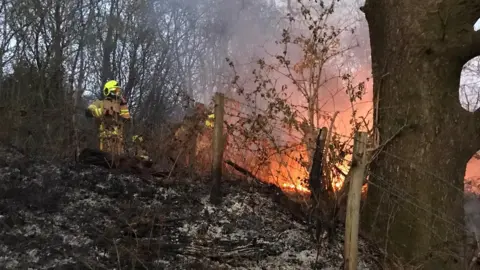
(204, 116)
(204, 144)
(111, 113)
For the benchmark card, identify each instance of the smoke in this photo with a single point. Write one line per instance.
(246, 30)
(237, 29)
(251, 39)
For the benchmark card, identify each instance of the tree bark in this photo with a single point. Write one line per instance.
(414, 206)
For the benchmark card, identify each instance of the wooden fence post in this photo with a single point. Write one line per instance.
(217, 158)
(357, 175)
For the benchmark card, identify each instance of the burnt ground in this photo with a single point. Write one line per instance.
(66, 216)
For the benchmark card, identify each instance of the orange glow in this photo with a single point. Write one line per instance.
(298, 188)
(340, 180)
(284, 168)
(364, 189)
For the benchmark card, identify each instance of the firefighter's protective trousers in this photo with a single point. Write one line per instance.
(111, 139)
(110, 115)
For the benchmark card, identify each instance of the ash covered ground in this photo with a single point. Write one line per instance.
(66, 216)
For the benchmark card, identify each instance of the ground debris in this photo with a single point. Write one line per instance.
(66, 216)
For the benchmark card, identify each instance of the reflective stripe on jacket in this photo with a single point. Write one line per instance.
(98, 110)
(124, 111)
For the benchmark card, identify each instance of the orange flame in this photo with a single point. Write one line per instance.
(285, 167)
(287, 171)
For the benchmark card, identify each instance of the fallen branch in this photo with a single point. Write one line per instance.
(241, 170)
(123, 163)
(249, 250)
(219, 254)
(339, 170)
(160, 174)
(295, 209)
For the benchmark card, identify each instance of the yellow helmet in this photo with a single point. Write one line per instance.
(111, 89)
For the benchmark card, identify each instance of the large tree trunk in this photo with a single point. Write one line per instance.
(414, 205)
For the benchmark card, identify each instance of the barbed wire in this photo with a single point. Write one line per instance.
(298, 140)
(283, 152)
(453, 227)
(409, 198)
(264, 111)
(289, 134)
(292, 137)
(246, 116)
(443, 244)
(348, 108)
(414, 166)
(289, 137)
(402, 199)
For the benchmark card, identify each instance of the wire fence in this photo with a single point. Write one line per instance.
(406, 218)
(273, 154)
(272, 150)
(405, 211)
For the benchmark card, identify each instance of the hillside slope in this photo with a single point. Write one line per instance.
(65, 216)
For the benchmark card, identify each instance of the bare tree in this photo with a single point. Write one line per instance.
(56, 55)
